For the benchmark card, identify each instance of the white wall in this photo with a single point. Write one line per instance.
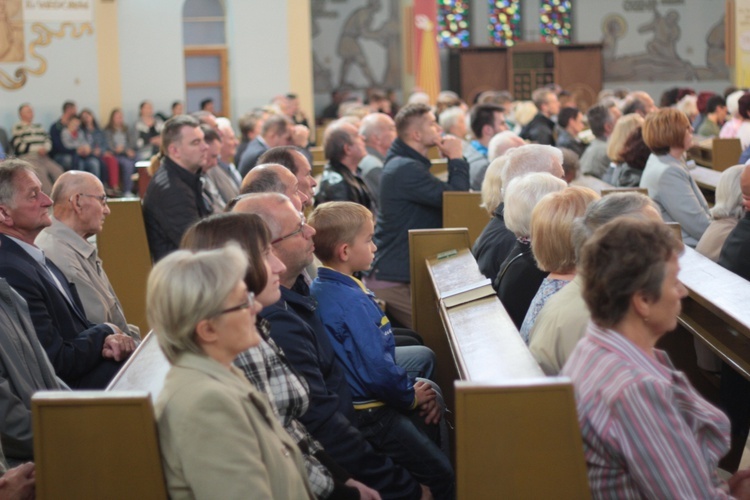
(71, 74)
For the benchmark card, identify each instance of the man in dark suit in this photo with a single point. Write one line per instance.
(83, 354)
(278, 130)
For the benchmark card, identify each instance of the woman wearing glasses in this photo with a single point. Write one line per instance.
(219, 436)
(266, 366)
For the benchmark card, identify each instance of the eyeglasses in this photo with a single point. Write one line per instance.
(249, 303)
(302, 224)
(102, 199)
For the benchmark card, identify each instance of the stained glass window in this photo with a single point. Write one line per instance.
(453, 23)
(505, 22)
(554, 19)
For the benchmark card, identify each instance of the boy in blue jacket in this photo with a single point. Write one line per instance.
(397, 414)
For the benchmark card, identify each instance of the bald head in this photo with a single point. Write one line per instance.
(79, 202)
(70, 183)
(273, 178)
(265, 205)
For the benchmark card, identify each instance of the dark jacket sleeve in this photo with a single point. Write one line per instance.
(73, 357)
(342, 441)
(420, 186)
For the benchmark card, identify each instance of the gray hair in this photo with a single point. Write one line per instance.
(522, 195)
(492, 184)
(501, 143)
(373, 124)
(336, 138)
(187, 287)
(265, 205)
(9, 169)
(729, 194)
(450, 117)
(264, 180)
(598, 213)
(530, 158)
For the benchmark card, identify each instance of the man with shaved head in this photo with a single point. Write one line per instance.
(296, 328)
(274, 178)
(293, 158)
(79, 207)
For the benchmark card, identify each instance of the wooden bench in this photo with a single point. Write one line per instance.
(607, 191)
(717, 154)
(94, 444)
(591, 182)
(126, 258)
(511, 422)
(461, 209)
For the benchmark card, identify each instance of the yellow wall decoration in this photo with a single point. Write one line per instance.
(44, 36)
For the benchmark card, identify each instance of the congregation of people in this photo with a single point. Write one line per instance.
(283, 302)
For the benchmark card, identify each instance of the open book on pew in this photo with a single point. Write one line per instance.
(457, 278)
(145, 370)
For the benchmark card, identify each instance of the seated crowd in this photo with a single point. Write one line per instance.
(275, 322)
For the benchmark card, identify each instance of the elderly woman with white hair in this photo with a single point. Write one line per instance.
(219, 437)
(519, 277)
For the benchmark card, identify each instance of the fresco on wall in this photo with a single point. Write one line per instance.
(356, 44)
(11, 31)
(15, 15)
(661, 58)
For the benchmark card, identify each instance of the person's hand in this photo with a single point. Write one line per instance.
(739, 484)
(426, 493)
(424, 392)
(41, 152)
(118, 346)
(130, 153)
(300, 136)
(84, 150)
(431, 411)
(365, 493)
(155, 141)
(18, 483)
(451, 147)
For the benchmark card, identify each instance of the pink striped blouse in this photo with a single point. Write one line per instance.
(647, 432)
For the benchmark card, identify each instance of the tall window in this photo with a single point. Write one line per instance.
(554, 19)
(205, 55)
(453, 23)
(505, 22)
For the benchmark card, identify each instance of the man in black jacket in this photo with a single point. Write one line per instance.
(296, 328)
(173, 200)
(541, 128)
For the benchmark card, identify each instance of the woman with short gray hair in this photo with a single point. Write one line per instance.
(218, 435)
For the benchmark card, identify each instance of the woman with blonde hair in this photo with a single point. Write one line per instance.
(218, 435)
(668, 133)
(551, 227)
(616, 142)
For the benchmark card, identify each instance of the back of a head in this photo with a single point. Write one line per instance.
(374, 124)
(492, 185)
(263, 179)
(551, 225)
(665, 129)
(620, 133)
(502, 142)
(531, 158)
(282, 155)
(623, 257)
(743, 106)
(524, 112)
(729, 193)
(521, 196)
(274, 124)
(598, 117)
(610, 207)
(635, 152)
(450, 116)
(265, 205)
(186, 287)
(540, 96)
(714, 102)
(408, 116)
(172, 131)
(571, 164)
(733, 102)
(337, 136)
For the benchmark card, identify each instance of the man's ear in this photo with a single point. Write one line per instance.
(205, 333)
(342, 252)
(5, 217)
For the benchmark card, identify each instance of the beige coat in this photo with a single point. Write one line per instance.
(219, 438)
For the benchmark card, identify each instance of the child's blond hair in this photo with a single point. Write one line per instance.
(335, 223)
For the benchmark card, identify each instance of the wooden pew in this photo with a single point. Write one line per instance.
(318, 154)
(126, 258)
(717, 154)
(91, 444)
(591, 182)
(605, 192)
(512, 423)
(461, 209)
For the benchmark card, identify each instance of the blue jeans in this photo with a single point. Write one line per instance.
(417, 360)
(407, 440)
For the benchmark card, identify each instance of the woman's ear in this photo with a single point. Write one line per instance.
(641, 304)
(205, 333)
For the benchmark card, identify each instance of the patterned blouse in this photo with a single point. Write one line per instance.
(547, 289)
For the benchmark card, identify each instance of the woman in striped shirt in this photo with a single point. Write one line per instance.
(647, 432)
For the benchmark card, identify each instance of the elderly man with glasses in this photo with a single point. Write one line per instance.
(83, 354)
(79, 207)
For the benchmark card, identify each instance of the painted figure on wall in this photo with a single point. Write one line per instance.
(11, 31)
(357, 26)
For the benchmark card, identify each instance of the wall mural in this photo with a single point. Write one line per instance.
(74, 17)
(661, 60)
(356, 44)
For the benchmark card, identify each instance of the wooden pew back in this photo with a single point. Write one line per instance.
(461, 209)
(96, 445)
(126, 258)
